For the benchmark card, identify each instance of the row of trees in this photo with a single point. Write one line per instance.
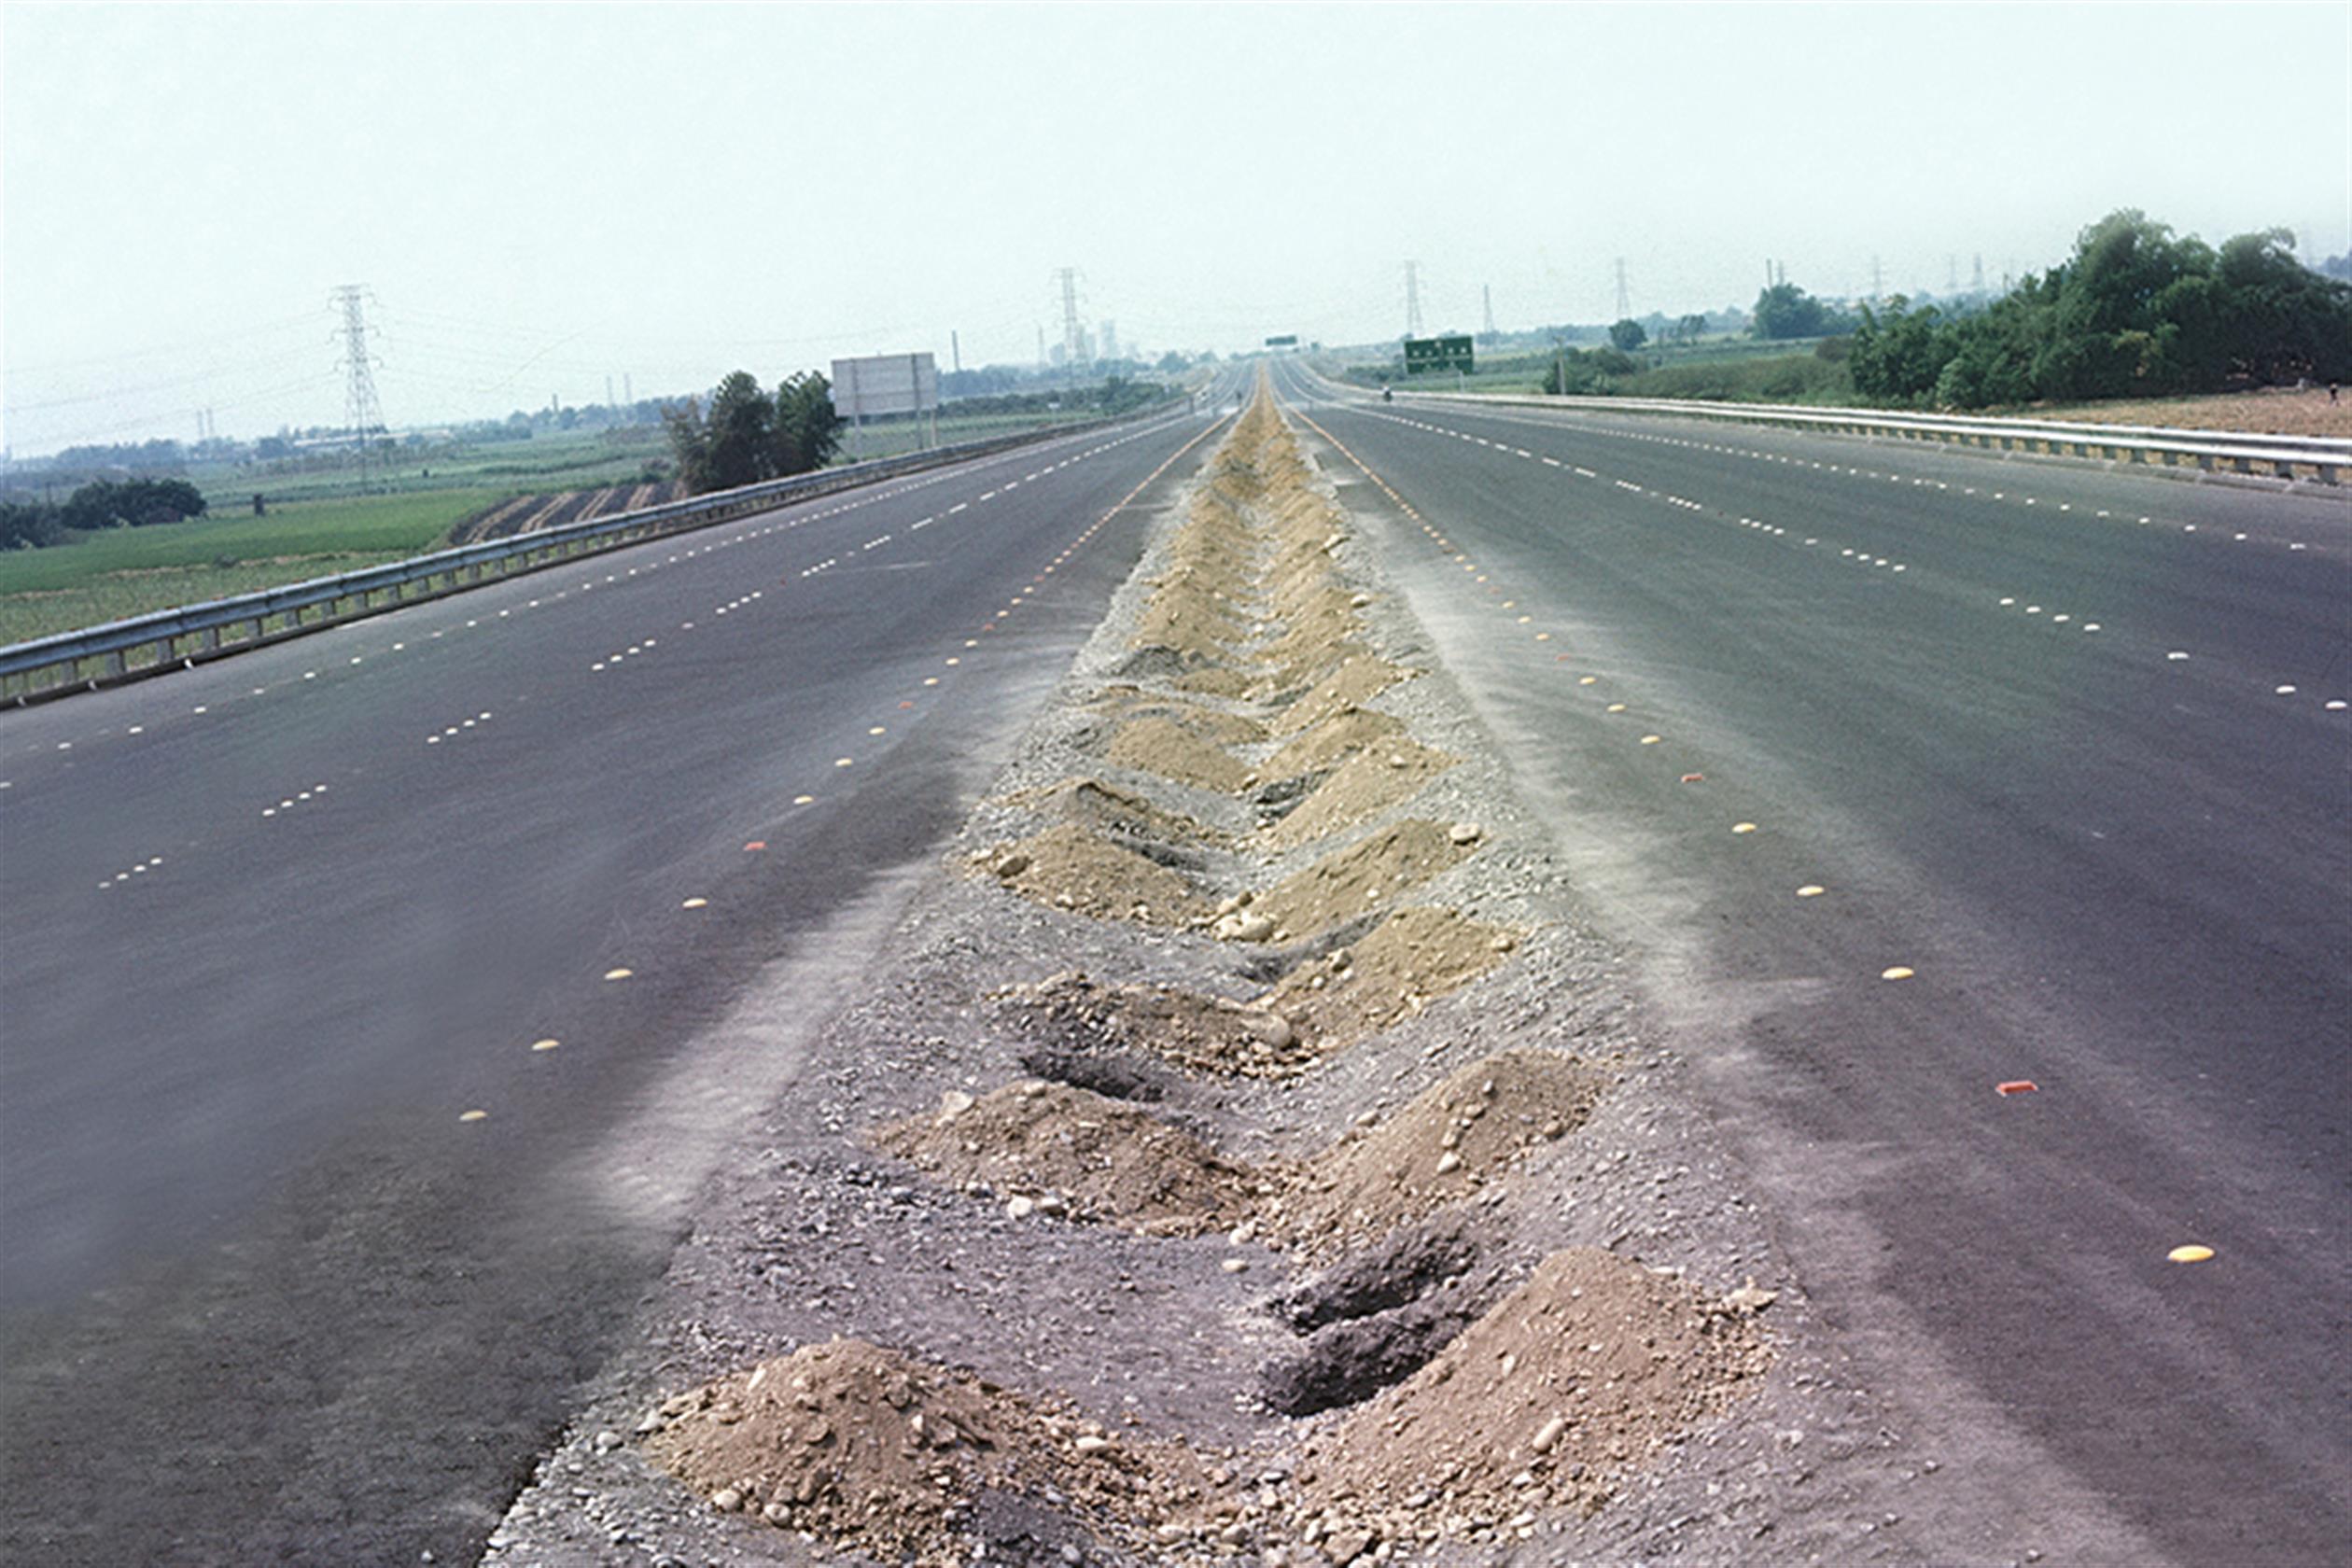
(747, 435)
(2136, 311)
(130, 503)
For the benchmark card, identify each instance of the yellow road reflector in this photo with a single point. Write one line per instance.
(1589, 680)
(2189, 1255)
(1743, 827)
(842, 762)
(1543, 637)
(695, 904)
(1900, 972)
(875, 730)
(618, 974)
(545, 1044)
(474, 1116)
(1811, 890)
(1652, 740)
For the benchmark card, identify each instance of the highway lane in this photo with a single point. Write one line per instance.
(334, 1144)
(2116, 862)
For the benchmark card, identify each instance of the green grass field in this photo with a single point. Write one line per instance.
(123, 572)
(320, 521)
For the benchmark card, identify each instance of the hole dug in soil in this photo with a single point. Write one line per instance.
(1375, 1318)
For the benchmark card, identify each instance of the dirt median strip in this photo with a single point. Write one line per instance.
(1217, 1183)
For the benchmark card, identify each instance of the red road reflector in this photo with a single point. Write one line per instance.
(756, 843)
(1694, 778)
(2017, 1086)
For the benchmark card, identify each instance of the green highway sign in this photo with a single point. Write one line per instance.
(1287, 340)
(1437, 354)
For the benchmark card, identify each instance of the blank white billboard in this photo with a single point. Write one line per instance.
(880, 383)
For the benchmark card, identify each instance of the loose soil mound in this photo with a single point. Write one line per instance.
(1068, 867)
(1394, 971)
(1362, 878)
(1361, 788)
(1185, 622)
(1169, 749)
(1197, 1033)
(1068, 1151)
(1217, 680)
(1591, 1366)
(1225, 729)
(1348, 731)
(1091, 803)
(1447, 1143)
(870, 1450)
(1354, 683)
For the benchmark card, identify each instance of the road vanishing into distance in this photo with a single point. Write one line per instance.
(2065, 749)
(335, 1143)
(2061, 748)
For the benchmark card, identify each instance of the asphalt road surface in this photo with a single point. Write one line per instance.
(2063, 748)
(372, 1002)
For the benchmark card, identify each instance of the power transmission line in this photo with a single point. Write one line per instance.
(362, 412)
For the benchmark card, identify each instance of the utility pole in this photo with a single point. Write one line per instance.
(361, 411)
(1488, 291)
(1624, 299)
(1412, 300)
(955, 352)
(1073, 335)
(1980, 272)
(628, 396)
(1041, 346)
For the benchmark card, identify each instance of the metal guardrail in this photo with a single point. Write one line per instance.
(2325, 456)
(151, 644)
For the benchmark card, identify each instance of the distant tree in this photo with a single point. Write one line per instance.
(1690, 328)
(808, 426)
(2338, 268)
(130, 503)
(1627, 335)
(1787, 311)
(30, 525)
(744, 434)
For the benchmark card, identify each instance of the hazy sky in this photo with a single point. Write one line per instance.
(542, 197)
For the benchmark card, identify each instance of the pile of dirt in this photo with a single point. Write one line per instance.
(1354, 681)
(1068, 867)
(1062, 1152)
(1090, 802)
(1364, 786)
(1331, 741)
(867, 1449)
(1166, 748)
(1590, 1366)
(1451, 1141)
(1070, 1016)
(1213, 723)
(1401, 965)
(1366, 878)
